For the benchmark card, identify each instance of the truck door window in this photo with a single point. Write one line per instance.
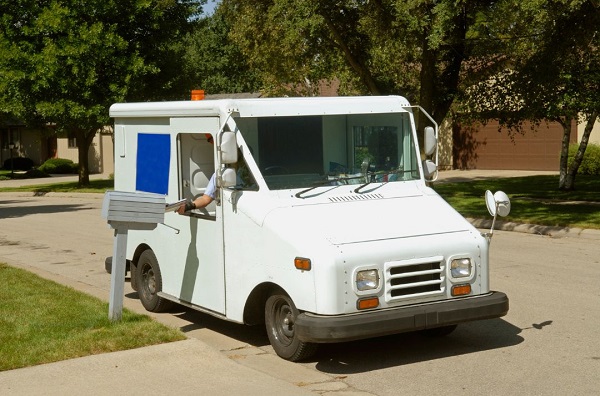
(196, 166)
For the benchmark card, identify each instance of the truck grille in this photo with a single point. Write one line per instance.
(414, 278)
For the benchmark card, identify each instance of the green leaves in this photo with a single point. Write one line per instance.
(65, 62)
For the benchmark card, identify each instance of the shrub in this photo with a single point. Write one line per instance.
(34, 174)
(18, 163)
(591, 160)
(58, 165)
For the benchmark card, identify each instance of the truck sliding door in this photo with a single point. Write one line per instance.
(202, 277)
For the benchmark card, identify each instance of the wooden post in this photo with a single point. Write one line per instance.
(117, 276)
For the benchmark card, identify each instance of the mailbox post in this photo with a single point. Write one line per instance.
(126, 211)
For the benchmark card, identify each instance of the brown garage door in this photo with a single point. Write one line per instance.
(483, 147)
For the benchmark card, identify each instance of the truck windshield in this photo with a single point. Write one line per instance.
(311, 151)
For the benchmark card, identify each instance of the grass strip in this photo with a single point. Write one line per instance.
(534, 200)
(96, 186)
(42, 322)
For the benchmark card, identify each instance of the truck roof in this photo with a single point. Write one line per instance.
(263, 107)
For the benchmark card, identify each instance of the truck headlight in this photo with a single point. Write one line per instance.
(367, 280)
(460, 268)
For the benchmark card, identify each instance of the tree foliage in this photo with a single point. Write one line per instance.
(554, 75)
(64, 62)
(419, 49)
(213, 62)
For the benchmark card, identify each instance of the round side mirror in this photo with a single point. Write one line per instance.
(497, 203)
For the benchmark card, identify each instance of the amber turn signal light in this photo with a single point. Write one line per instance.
(302, 263)
(366, 303)
(461, 290)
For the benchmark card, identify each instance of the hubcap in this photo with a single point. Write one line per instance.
(283, 322)
(149, 281)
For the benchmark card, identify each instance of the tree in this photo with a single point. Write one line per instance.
(64, 62)
(555, 76)
(417, 49)
(213, 62)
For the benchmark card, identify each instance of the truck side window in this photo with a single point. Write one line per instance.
(196, 166)
(246, 180)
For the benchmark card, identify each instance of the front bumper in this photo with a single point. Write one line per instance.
(321, 329)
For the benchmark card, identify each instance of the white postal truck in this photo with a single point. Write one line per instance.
(323, 228)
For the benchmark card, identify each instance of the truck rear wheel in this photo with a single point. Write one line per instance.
(149, 283)
(280, 317)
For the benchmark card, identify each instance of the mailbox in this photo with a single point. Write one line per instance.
(126, 211)
(133, 210)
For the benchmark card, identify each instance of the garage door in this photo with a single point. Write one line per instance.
(484, 147)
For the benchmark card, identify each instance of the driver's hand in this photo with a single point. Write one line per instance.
(189, 205)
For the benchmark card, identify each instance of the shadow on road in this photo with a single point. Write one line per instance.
(402, 349)
(371, 354)
(13, 211)
(253, 335)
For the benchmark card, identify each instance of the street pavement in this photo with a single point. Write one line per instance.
(188, 367)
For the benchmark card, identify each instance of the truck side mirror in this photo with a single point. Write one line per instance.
(498, 204)
(430, 170)
(228, 178)
(430, 141)
(228, 148)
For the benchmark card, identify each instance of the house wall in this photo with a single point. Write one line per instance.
(107, 153)
(100, 156)
(445, 146)
(31, 146)
(29, 143)
(594, 136)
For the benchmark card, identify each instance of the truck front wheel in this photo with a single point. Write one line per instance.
(149, 283)
(280, 317)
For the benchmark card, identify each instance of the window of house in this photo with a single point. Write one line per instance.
(72, 141)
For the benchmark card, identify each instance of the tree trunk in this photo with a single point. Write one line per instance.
(564, 154)
(427, 79)
(84, 141)
(354, 61)
(569, 183)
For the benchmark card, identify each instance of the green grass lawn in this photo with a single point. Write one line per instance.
(96, 186)
(534, 200)
(42, 322)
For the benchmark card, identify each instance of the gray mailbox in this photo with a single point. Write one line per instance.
(126, 211)
(133, 210)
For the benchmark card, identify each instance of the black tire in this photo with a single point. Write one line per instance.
(439, 331)
(133, 273)
(149, 283)
(280, 316)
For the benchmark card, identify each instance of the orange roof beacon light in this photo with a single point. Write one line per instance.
(197, 94)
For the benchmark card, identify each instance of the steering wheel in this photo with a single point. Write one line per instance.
(276, 170)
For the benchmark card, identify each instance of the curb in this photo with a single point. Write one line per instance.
(551, 231)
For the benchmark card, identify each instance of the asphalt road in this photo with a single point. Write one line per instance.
(547, 344)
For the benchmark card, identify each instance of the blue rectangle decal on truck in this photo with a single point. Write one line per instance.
(152, 164)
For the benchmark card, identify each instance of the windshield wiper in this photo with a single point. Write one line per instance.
(371, 177)
(324, 183)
